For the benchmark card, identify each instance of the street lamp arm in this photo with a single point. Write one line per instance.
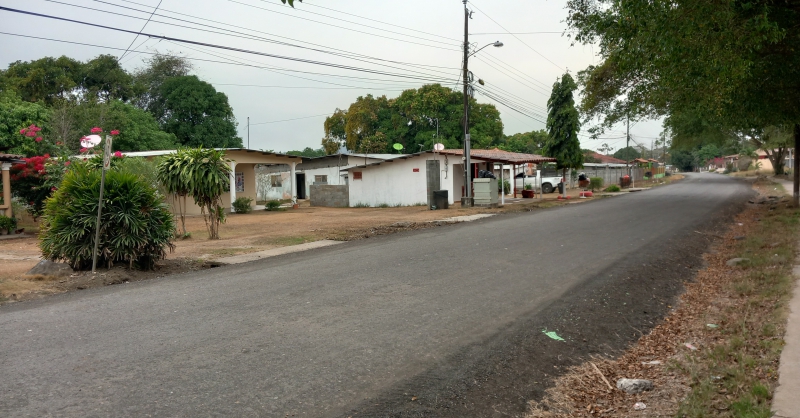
(496, 44)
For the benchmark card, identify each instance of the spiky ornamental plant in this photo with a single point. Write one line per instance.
(136, 226)
(205, 175)
(563, 125)
(169, 175)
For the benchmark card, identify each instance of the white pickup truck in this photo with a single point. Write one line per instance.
(549, 184)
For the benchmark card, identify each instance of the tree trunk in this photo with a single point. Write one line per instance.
(778, 160)
(795, 166)
(564, 183)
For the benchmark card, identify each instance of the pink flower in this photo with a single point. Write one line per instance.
(38, 139)
(97, 130)
(118, 154)
(30, 133)
(58, 142)
(22, 131)
(52, 189)
(67, 163)
(47, 156)
(115, 132)
(84, 149)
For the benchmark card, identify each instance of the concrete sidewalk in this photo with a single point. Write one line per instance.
(786, 403)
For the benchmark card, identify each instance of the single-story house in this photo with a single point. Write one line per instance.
(603, 159)
(407, 180)
(326, 170)
(243, 174)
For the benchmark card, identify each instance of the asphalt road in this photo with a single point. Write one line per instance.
(323, 333)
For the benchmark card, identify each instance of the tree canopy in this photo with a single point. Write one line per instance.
(525, 142)
(196, 113)
(374, 124)
(627, 153)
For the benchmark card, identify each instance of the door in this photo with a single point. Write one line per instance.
(433, 178)
(301, 185)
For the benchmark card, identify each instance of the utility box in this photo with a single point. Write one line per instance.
(440, 200)
(486, 192)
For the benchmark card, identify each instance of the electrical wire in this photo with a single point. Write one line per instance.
(242, 50)
(360, 24)
(345, 28)
(517, 79)
(237, 34)
(515, 36)
(504, 64)
(140, 31)
(287, 120)
(256, 31)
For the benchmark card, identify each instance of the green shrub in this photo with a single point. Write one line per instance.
(613, 188)
(383, 205)
(242, 205)
(595, 183)
(273, 205)
(528, 186)
(364, 205)
(504, 186)
(136, 226)
(9, 224)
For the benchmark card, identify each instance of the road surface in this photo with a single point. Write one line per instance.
(439, 322)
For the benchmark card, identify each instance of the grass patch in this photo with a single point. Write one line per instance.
(736, 376)
(286, 241)
(226, 252)
(361, 205)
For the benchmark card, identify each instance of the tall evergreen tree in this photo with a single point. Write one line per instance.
(563, 125)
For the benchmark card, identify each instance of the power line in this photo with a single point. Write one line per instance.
(256, 31)
(228, 62)
(240, 35)
(140, 31)
(385, 23)
(287, 120)
(519, 33)
(355, 23)
(345, 28)
(515, 78)
(502, 63)
(306, 87)
(246, 51)
(515, 36)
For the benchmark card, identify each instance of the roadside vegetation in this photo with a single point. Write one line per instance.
(717, 352)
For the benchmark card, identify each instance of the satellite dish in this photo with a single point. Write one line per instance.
(397, 146)
(90, 141)
(438, 146)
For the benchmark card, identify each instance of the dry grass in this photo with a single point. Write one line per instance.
(733, 372)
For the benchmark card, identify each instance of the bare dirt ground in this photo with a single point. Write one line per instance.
(715, 353)
(245, 233)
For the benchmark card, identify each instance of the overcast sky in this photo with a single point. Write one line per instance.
(286, 100)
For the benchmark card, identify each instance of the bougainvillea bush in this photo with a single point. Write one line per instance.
(30, 183)
(137, 227)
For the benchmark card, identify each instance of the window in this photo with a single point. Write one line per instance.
(239, 181)
(356, 175)
(321, 179)
(275, 179)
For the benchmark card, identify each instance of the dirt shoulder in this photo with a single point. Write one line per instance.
(716, 352)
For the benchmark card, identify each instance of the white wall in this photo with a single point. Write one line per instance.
(396, 182)
(335, 177)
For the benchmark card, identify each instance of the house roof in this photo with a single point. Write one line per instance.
(399, 157)
(604, 159)
(639, 160)
(172, 151)
(499, 156)
(11, 158)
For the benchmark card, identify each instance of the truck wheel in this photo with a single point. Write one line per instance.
(547, 188)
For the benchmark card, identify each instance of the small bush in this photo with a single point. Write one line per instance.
(361, 205)
(667, 174)
(613, 188)
(9, 224)
(504, 186)
(242, 205)
(383, 205)
(528, 186)
(273, 205)
(136, 227)
(595, 183)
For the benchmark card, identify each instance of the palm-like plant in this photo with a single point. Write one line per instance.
(204, 174)
(169, 175)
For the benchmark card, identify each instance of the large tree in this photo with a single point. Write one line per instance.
(47, 79)
(563, 124)
(16, 114)
(196, 113)
(734, 64)
(147, 81)
(374, 124)
(525, 142)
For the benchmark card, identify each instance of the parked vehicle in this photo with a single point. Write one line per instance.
(549, 184)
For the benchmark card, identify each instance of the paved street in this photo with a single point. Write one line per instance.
(317, 333)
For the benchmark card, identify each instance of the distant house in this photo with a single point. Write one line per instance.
(326, 170)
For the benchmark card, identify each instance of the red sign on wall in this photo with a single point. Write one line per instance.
(416, 170)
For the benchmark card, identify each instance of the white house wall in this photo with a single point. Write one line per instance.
(396, 182)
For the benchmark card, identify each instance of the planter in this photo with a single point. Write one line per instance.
(528, 194)
(296, 206)
(583, 183)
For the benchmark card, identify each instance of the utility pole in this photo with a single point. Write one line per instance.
(627, 146)
(466, 200)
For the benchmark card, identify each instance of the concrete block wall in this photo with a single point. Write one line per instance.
(332, 196)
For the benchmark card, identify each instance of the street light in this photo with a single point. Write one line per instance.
(467, 200)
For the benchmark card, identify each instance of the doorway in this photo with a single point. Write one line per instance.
(301, 185)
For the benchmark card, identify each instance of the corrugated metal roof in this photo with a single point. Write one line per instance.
(500, 156)
(156, 153)
(11, 158)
